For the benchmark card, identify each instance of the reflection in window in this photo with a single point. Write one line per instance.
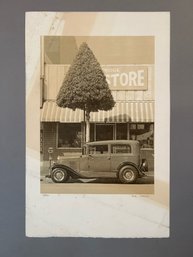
(116, 149)
(69, 135)
(144, 133)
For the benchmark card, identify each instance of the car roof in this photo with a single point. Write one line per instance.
(113, 142)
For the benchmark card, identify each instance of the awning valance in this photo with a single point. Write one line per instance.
(122, 112)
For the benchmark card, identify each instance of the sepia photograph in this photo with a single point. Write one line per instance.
(97, 124)
(97, 114)
(96, 128)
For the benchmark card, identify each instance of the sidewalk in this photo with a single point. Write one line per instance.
(44, 168)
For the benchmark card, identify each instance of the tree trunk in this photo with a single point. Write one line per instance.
(87, 126)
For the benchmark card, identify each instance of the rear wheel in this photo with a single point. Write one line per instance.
(128, 174)
(59, 175)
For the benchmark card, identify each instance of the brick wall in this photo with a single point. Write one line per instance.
(49, 140)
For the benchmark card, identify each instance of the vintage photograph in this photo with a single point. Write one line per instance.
(97, 113)
(97, 124)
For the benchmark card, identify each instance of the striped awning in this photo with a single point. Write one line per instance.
(122, 112)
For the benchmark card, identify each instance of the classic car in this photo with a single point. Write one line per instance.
(102, 159)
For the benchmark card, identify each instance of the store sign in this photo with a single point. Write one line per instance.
(119, 77)
(126, 77)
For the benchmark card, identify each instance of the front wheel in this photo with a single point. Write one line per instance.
(59, 175)
(128, 175)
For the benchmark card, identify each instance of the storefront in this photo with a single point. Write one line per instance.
(132, 87)
(63, 129)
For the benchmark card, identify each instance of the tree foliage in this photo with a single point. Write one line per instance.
(85, 86)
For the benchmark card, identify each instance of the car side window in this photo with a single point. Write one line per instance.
(98, 149)
(118, 149)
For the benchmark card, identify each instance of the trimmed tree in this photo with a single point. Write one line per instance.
(85, 86)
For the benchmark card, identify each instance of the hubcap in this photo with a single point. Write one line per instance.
(59, 175)
(128, 175)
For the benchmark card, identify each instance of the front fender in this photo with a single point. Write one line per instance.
(71, 172)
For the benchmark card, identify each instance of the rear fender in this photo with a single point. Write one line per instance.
(130, 164)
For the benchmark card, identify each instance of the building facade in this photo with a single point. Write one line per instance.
(128, 63)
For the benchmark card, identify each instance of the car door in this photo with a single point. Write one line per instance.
(121, 153)
(99, 160)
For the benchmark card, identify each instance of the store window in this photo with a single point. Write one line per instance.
(144, 133)
(99, 132)
(121, 131)
(104, 132)
(69, 135)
